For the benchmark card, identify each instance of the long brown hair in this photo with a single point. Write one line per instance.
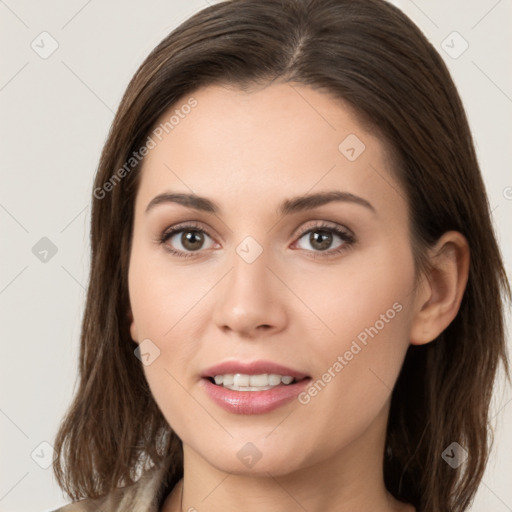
(370, 55)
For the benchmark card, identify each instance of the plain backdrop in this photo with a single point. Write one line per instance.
(55, 112)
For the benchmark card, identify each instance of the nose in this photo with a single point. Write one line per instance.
(251, 299)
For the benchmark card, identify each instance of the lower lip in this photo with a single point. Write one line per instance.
(253, 402)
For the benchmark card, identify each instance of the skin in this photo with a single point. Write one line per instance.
(248, 152)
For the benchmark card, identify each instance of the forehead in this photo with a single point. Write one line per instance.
(271, 142)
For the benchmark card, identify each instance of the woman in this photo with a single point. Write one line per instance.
(295, 299)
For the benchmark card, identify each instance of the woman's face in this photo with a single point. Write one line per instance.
(263, 284)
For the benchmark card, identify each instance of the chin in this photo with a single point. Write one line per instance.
(258, 457)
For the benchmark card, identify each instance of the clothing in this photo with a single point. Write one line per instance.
(143, 496)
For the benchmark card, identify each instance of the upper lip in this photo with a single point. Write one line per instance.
(252, 368)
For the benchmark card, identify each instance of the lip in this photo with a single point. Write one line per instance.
(252, 402)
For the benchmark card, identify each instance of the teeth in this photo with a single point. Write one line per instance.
(258, 380)
(274, 379)
(241, 380)
(244, 382)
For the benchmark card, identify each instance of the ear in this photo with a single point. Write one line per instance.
(441, 290)
(133, 329)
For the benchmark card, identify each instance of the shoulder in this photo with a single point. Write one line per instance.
(142, 496)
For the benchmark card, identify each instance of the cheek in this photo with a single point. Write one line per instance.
(366, 297)
(161, 296)
(368, 309)
(162, 305)
(182, 411)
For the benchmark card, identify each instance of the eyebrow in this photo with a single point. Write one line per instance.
(289, 206)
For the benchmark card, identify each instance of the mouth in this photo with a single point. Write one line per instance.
(252, 388)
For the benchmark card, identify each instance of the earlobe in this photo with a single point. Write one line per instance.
(438, 301)
(133, 328)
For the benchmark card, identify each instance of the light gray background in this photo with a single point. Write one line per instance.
(55, 114)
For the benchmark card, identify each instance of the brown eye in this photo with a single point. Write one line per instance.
(185, 240)
(192, 240)
(322, 238)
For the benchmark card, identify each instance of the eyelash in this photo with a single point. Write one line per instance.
(345, 236)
